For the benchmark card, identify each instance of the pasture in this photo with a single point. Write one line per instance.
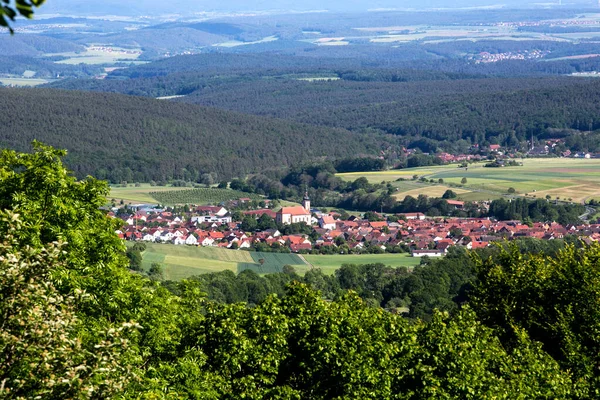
(100, 55)
(566, 178)
(329, 263)
(23, 81)
(181, 262)
(140, 194)
(200, 196)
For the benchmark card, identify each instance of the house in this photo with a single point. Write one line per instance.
(215, 210)
(191, 240)
(296, 214)
(409, 216)
(177, 240)
(327, 222)
(429, 253)
(457, 204)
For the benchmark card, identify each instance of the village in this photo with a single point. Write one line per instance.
(216, 226)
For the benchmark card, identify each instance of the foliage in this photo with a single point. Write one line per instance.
(562, 315)
(168, 140)
(9, 10)
(66, 327)
(201, 196)
(41, 355)
(537, 211)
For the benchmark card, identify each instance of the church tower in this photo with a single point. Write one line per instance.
(306, 202)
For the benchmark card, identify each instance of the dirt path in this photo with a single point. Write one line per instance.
(306, 261)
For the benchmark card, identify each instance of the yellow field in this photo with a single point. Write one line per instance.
(566, 178)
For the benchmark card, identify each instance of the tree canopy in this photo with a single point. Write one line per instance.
(76, 323)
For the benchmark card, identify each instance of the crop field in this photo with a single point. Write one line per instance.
(200, 196)
(100, 55)
(329, 263)
(429, 190)
(181, 262)
(140, 194)
(566, 178)
(21, 81)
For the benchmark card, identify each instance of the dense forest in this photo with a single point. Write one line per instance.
(122, 138)
(519, 324)
(427, 109)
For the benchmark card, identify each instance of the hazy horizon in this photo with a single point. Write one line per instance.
(151, 7)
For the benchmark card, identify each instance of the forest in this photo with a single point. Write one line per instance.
(425, 107)
(519, 322)
(132, 139)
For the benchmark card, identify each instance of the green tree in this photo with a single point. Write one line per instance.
(41, 355)
(463, 181)
(449, 194)
(564, 313)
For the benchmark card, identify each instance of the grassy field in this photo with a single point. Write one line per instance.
(141, 194)
(329, 263)
(566, 178)
(200, 196)
(100, 55)
(23, 81)
(181, 262)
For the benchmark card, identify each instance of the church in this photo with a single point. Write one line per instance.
(293, 215)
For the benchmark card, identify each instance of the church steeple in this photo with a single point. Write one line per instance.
(306, 202)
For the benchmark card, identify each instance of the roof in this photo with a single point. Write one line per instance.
(296, 210)
(328, 219)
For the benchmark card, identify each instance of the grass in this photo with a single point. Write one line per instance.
(141, 194)
(578, 179)
(23, 81)
(200, 196)
(329, 263)
(95, 55)
(181, 262)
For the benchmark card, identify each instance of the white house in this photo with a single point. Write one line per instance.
(191, 240)
(178, 240)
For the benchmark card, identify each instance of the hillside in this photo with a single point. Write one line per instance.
(120, 138)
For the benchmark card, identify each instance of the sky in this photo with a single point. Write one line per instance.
(153, 7)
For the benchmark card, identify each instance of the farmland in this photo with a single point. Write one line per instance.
(565, 178)
(181, 262)
(200, 196)
(137, 194)
(169, 195)
(329, 263)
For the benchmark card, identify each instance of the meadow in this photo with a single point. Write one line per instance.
(100, 55)
(169, 195)
(140, 194)
(200, 196)
(565, 178)
(181, 262)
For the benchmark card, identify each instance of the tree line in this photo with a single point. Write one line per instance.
(70, 308)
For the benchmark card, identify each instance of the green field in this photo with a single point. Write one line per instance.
(577, 179)
(100, 55)
(141, 194)
(200, 196)
(181, 262)
(329, 263)
(23, 81)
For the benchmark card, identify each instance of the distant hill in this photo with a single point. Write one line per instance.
(35, 45)
(120, 138)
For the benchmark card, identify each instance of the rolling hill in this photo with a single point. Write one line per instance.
(124, 138)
